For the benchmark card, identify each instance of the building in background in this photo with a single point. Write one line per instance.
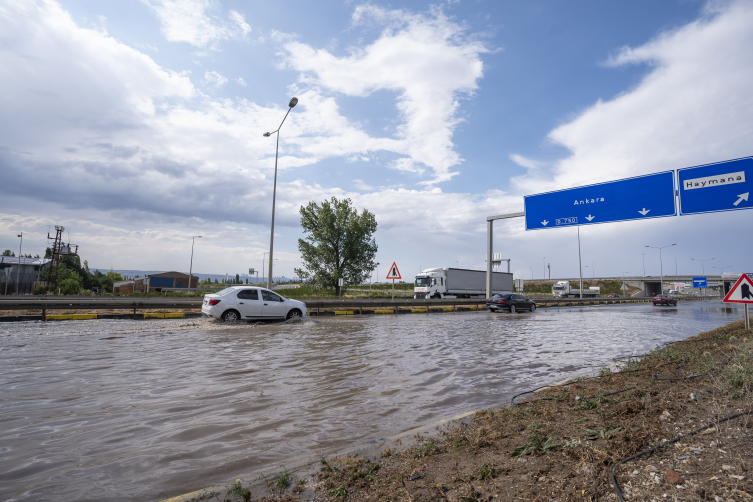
(27, 276)
(156, 283)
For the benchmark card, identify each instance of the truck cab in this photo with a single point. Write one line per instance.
(429, 285)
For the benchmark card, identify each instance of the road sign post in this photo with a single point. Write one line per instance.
(394, 274)
(639, 198)
(742, 292)
(722, 186)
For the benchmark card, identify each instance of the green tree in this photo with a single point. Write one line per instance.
(8, 252)
(339, 243)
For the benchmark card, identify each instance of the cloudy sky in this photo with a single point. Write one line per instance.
(137, 124)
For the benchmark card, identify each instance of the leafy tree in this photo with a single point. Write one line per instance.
(237, 278)
(8, 252)
(340, 243)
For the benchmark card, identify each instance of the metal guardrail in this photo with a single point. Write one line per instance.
(130, 303)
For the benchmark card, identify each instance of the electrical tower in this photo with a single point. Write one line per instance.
(59, 250)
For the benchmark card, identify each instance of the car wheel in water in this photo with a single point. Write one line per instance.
(533, 308)
(231, 316)
(512, 309)
(294, 314)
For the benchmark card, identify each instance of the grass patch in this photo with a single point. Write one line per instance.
(537, 445)
(237, 489)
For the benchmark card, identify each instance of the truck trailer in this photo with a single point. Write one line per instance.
(563, 290)
(458, 283)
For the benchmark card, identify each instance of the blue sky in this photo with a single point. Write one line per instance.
(137, 124)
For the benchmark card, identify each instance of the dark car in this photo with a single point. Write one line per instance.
(613, 295)
(510, 302)
(664, 300)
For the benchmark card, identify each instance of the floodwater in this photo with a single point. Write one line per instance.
(142, 410)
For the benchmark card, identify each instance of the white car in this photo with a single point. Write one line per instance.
(245, 302)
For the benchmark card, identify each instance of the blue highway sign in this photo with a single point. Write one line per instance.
(700, 282)
(639, 198)
(723, 186)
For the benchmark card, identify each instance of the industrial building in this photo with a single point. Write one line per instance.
(23, 270)
(156, 283)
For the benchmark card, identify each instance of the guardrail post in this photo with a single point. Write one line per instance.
(44, 314)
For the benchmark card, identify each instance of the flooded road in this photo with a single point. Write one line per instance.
(141, 410)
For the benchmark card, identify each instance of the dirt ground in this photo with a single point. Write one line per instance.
(562, 443)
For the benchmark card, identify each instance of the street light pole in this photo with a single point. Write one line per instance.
(661, 266)
(190, 270)
(543, 260)
(644, 264)
(18, 271)
(292, 103)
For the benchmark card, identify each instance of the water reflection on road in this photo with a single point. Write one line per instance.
(147, 409)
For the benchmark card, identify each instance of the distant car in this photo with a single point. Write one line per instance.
(664, 300)
(613, 295)
(243, 302)
(510, 302)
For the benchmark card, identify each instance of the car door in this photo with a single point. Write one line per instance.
(249, 303)
(273, 305)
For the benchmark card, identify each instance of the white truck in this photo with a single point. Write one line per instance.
(563, 290)
(458, 283)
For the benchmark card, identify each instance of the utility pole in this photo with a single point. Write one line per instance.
(580, 267)
(549, 268)
(18, 272)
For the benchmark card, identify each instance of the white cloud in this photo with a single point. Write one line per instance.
(525, 162)
(359, 184)
(693, 107)
(215, 79)
(189, 21)
(240, 81)
(425, 58)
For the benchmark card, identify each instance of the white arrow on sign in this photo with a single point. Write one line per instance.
(544, 222)
(743, 196)
(589, 217)
(644, 212)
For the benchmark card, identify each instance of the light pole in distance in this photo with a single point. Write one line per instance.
(18, 272)
(292, 103)
(190, 270)
(661, 266)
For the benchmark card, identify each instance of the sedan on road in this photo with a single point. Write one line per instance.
(510, 302)
(613, 295)
(252, 303)
(664, 300)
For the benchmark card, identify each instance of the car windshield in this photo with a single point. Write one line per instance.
(423, 281)
(559, 288)
(224, 292)
(501, 297)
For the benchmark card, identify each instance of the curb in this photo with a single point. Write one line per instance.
(81, 317)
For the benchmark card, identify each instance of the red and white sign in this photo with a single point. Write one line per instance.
(394, 272)
(741, 292)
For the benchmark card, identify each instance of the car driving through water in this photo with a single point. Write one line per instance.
(245, 302)
(510, 302)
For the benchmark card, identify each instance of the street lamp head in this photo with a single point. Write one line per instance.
(267, 134)
(293, 102)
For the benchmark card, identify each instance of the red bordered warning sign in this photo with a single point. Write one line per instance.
(741, 292)
(394, 272)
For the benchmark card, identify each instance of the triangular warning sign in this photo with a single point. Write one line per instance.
(394, 272)
(741, 292)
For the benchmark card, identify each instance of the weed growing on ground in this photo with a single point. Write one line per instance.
(737, 377)
(536, 445)
(327, 467)
(237, 489)
(606, 433)
(486, 471)
(339, 491)
(281, 481)
(426, 449)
